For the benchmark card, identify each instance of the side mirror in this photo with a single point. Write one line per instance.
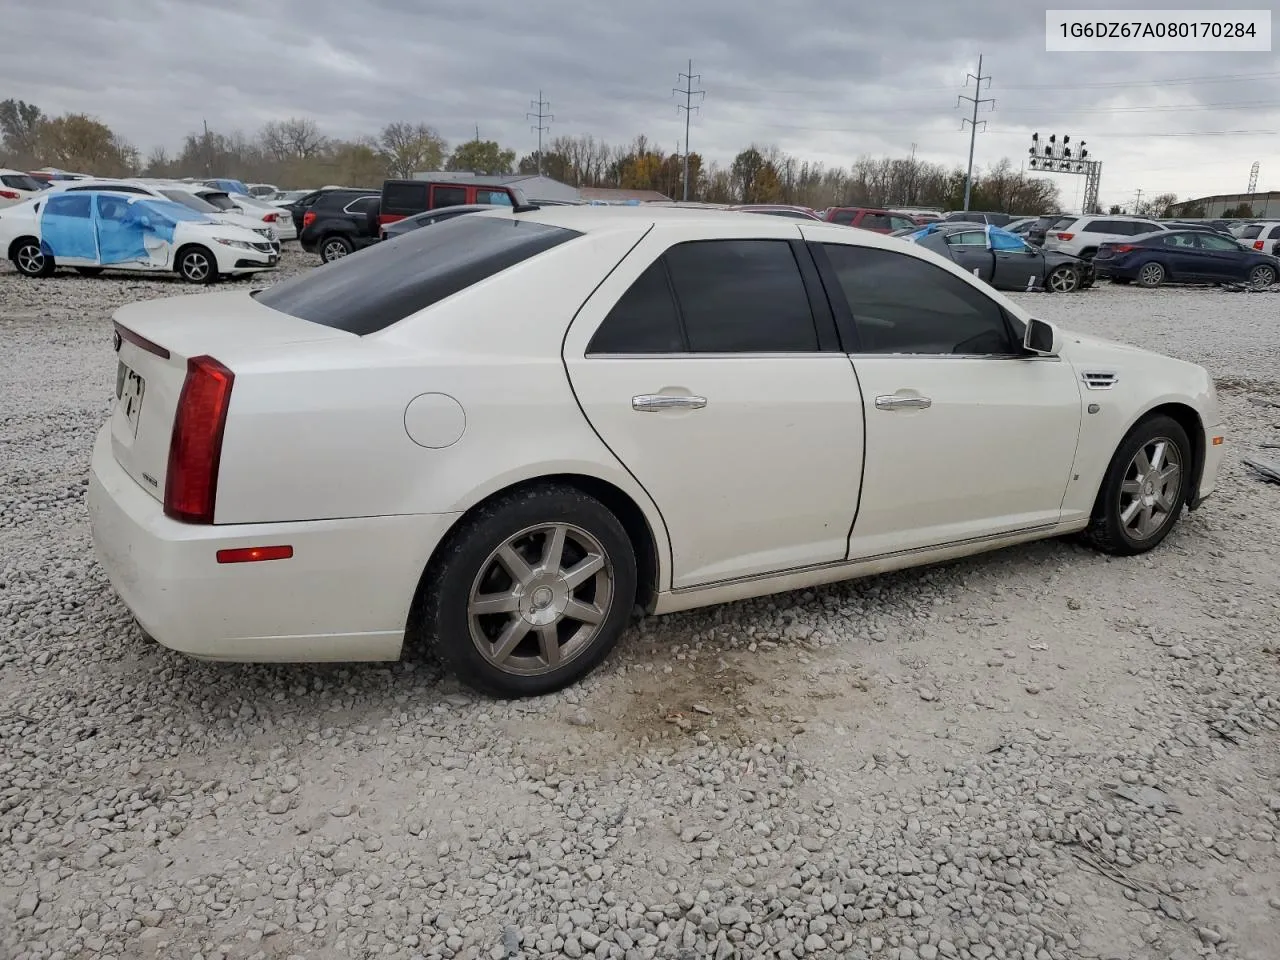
(1041, 338)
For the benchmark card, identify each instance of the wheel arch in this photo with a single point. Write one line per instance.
(1187, 417)
(646, 542)
(187, 245)
(12, 252)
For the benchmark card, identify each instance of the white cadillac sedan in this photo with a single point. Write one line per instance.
(505, 433)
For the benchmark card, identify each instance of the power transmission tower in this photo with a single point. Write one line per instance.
(976, 100)
(688, 108)
(1253, 180)
(541, 118)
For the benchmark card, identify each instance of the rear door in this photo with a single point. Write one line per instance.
(121, 238)
(66, 229)
(711, 370)
(969, 249)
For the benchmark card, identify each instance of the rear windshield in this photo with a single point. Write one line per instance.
(20, 181)
(189, 200)
(220, 200)
(401, 197)
(383, 284)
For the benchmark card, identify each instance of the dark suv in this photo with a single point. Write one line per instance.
(338, 222)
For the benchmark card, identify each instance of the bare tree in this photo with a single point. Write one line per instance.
(412, 147)
(297, 138)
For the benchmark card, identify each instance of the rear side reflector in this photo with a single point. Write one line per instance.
(124, 333)
(195, 449)
(1217, 441)
(254, 554)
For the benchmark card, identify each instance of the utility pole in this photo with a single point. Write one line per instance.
(1137, 204)
(541, 118)
(206, 148)
(976, 99)
(688, 108)
(909, 188)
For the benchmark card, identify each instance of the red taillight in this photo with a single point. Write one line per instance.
(270, 217)
(196, 446)
(308, 218)
(1258, 244)
(1123, 248)
(10, 194)
(1064, 236)
(254, 554)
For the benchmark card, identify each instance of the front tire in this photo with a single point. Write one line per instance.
(1262, 276)
(197, 265)
(335, 248)
(31, 260)
(1151, 275)
(1062, 279)
(531, 592)
(1144, 489)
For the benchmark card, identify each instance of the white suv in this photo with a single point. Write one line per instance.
(1263, 236)
(1081, 236)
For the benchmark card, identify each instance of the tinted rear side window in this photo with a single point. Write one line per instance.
(404, 197)
(742, 296)
(379, 286)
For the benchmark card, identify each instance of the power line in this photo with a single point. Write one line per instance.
(688, 108)
(540, 116)
(976, 99)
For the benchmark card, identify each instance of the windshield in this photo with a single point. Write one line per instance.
(189, 200)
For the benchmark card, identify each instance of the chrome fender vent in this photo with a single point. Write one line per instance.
(1099, 379)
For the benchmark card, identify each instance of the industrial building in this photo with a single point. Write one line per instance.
(1261, 204)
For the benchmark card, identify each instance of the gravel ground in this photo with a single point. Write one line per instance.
(1040, 754)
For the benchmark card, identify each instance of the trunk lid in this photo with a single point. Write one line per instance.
(155, 339)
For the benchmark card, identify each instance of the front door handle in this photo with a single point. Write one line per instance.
(898, 403)
(655, 402)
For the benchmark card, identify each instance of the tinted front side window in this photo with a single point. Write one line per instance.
(1210, 242)
(902, 304)
(643, 321)
(742, 296)
(387, 282)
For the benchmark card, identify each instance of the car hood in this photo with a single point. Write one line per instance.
(1056, 257)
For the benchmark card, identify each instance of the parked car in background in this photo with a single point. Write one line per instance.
(340, 466)
(263, 191)
(419, 220)
(918, 215)
(286, 197)
(264, 212)
(1082, 236)
(992, 217)
(340, 222)
(226, 185)
(1263, 236)
(1185, 256)
(96, 230)
(176, 192)
(777, 210)
(866, 218)
(299, 207)
(1005, 260)
(16, 186)
(1034, 232)
(404, 198)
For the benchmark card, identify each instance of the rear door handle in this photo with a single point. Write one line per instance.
(898, 403)
(655, 402)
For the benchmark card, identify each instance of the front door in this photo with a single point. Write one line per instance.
(1223, 259)
(969, 250)
(1019, 266)
(966, 437)
(706, 368)
(66, 229)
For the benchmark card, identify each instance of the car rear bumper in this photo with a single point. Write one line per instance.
(343, 595)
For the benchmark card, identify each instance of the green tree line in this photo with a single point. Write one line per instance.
(296, 153)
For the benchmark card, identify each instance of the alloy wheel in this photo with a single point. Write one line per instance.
(1152, 274)
(335, 250)
(1149, 492)
(30, 259)
(540, 599)
(195, 266)
(1261, 277)
(1063, 280)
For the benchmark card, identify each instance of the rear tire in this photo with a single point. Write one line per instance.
(30, 260)
(1144, 488)
(1151, 275)
(530, 592)
(335, 247)
(197, 264)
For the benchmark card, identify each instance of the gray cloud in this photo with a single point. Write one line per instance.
(820, 80)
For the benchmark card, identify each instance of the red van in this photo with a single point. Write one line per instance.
(404, 198)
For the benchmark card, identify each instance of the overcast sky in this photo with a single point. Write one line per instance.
(825, 81)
